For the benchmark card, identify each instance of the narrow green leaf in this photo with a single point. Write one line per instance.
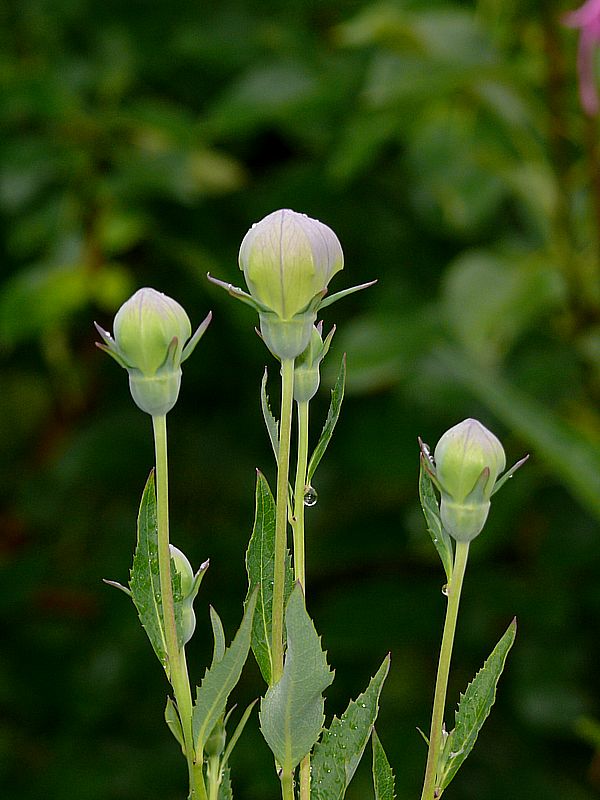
(291, 712)
(474, 708)
(219, 636)
(237, 732)
(174, 723)
(337, 395)
(341, 747)
(270, 421)
(225, 792)
(144, 581)
(220, 679)
(383, 777)
(440, 538)
(260, 566)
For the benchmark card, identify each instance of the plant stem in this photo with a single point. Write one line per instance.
(177, 669)
(214, 770)
(287, 786)
(299, 490)
(441, 685)
(299, 560)
(281, 517)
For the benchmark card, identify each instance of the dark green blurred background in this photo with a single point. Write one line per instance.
(444, 143)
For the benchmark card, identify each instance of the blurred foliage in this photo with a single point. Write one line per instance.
(444, 143)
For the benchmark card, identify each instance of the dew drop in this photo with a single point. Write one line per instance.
(157, 597)
(310, 497)
(445, 590)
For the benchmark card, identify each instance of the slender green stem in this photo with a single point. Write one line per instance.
(287, 786)
(177, 669)
(299, 549)
(214, 775)
(441, 685)
(281, 517)
(299, 490)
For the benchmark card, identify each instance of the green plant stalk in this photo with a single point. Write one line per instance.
(299, 490)
(441, 684)
(214, 770)
(287, 786)
(299, 548)
(281, 515)
(176, 658)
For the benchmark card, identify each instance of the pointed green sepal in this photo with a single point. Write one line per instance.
(200, 331)
(431, 511)
(337, 396)
(508, 474)
(328, 300)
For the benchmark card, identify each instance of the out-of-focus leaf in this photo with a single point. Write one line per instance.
(489, 301)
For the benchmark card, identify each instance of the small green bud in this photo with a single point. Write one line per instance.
(287, 259)
(215, 744)
(190, 584)
(184, 569)
(306, 367)
(150, 335)
(468, 460)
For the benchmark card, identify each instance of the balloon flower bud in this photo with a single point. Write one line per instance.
(150, 335)
(190, 584)
(468, 460)
(306, 367)
(288, 260)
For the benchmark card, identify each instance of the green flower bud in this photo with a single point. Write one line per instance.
(190, 584)
(288, 260)
(306, 367)
(468, 460)
(150, 335)
(184, 569)
(215, 744)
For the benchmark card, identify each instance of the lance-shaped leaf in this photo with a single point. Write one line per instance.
(145, 581)
(341, 747)
(174, 723)
(383, 777)
(271, 423)
(220, 679)
(440, 538)
(474, 708)
(218, 635)
(291, 712)
(337, 395)
(260, 566)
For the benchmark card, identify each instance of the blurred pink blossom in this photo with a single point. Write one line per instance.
(587, 19)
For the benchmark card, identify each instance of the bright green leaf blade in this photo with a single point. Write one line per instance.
(270, 421)
(144, 581)
(440, 538)
(291, 712)
(260, 566)
(219, 636)
(474, 708)
(338, 754)
(174, 723)
(337, 395)
(220, 679)
(383, 777)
